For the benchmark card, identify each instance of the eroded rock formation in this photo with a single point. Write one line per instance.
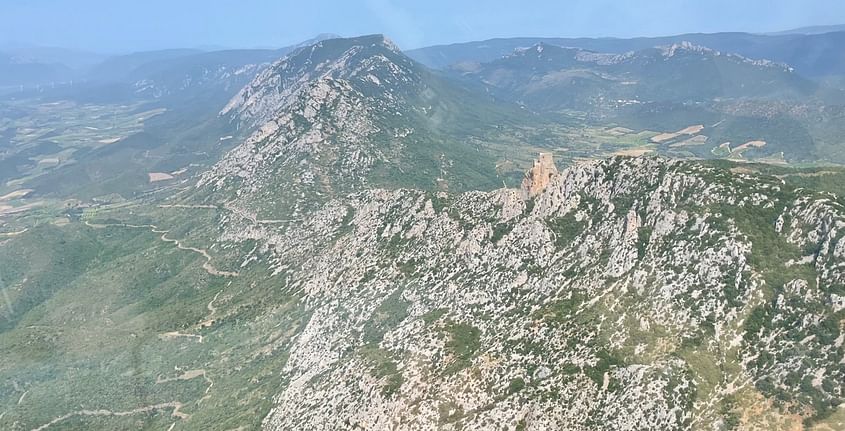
(538, 176)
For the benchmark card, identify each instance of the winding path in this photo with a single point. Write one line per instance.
(211, 310)
(187, 375)
(210, 207)
(14, 233)
(207, 266)
(175, 334)
(175, 405)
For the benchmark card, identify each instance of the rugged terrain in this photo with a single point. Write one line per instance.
(353, 261)
(630, 294)
(345, 114)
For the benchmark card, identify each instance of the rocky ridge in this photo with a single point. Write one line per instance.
(226, 77)
(630, 293)
(314, 116)
(547, 76)
(344, 115)
(603, 302)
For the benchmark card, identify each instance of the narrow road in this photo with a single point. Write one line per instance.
(211, 310)
(210, 207)
(234, 210)
(175, 405)
(14, 233)
(807, 174)
(174, 334)
(188, 375)
(207, 266)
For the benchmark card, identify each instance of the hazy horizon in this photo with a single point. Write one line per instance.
(158, 24)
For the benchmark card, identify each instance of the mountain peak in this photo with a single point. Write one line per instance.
(685, 46)
(371, 40)
(540, 48)
(316, 39)
(669, 51)
(369, 61)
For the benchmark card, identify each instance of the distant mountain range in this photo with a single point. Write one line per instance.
(814, 52)
(815, 29)
(813, 55)
(552, 77)
(170, 67)
(19, 71)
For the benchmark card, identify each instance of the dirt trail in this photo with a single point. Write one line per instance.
(210, 207)
(210, 307)
(207, 266)
(14, 233)
(188, 375)
(175, 405)
(211, 310)
(176, 334)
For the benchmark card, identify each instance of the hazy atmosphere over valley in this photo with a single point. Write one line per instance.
(389, 215)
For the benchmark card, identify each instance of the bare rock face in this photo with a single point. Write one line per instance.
(538, 176)
(590, 308)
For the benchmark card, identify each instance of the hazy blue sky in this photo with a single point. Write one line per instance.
(118, 25)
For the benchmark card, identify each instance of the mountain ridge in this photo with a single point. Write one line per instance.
(818, 62)
(680, 72)
(348, 112)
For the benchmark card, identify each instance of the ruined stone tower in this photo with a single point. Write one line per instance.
(538, 176)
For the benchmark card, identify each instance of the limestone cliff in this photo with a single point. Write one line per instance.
(538, 176)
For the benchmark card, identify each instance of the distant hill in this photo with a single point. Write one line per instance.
(816, 29)
(552, 77)
(20, 71)
(811, 55)
(734, 98)
(73, 58)
(119, 68)
(182, 64)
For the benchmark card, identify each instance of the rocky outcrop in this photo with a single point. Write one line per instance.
(590, 308)
(538, 177)
(319, 122)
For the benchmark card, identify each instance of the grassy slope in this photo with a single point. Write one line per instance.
(93, 340)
